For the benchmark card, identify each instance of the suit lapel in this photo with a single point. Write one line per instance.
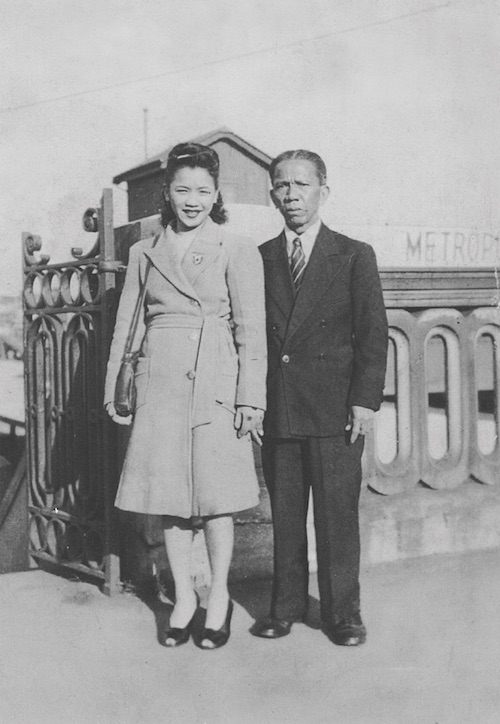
(279, 279)
(323, 266)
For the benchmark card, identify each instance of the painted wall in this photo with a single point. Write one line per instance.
(242, 179)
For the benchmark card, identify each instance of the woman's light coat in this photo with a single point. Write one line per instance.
(203, 352)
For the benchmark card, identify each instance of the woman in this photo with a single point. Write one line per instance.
(200, 383)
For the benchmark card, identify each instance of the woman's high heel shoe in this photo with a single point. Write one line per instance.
(220, 636)
(177, 636)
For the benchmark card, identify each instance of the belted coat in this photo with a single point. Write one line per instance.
(203, 351)
(327, 346)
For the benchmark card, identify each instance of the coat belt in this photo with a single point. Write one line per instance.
(204, 389)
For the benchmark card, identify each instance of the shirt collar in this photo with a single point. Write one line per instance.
(309, 236)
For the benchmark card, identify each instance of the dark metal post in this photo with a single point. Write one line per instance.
(108, 297)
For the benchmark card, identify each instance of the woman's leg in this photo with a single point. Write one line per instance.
(178, 541)
(219, 535)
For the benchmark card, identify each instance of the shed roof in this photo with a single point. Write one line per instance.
(208, 139)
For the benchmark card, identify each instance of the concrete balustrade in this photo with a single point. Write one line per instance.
(438, 445)
(484, 432)
(391, 460)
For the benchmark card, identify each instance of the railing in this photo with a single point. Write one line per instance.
(440, 421)
(68, 321)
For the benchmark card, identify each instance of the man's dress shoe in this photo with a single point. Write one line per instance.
(347, 631)
(271, 628)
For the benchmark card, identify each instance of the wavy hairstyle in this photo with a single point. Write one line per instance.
(192, 155)
(301, 155)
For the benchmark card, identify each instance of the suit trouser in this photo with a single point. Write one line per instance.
(332, 467)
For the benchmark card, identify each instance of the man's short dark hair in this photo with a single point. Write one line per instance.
(302, 155)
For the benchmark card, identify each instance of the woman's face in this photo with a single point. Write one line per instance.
(192, 194)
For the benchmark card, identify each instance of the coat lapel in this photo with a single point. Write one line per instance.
(325, 263)
(164, 257)
(202, 252)
(278, 276)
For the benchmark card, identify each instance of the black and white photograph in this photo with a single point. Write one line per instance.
(249, 362)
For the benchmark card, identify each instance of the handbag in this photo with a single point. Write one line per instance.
(125, 394)
(125, 385)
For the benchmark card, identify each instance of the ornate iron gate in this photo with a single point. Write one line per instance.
(68, 320)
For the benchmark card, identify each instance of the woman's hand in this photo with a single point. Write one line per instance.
(110, 409)
(249, 420)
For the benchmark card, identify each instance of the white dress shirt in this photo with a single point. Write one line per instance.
(307, 239)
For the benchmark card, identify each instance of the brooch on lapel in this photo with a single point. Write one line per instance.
(197, 258)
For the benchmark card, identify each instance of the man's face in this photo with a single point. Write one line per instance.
(298, 193)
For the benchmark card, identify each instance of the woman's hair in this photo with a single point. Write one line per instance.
(300, 155)
(193, 155)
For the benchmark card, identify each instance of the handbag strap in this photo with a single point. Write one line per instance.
(138, 307)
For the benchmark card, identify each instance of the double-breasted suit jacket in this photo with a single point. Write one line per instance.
(327, 346)
(203, 352)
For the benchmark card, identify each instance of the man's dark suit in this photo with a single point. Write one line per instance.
(327, 349)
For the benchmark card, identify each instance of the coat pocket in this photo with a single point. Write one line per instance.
(141, 381)
(226, 397)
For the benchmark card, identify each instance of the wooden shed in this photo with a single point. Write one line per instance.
(243, 180)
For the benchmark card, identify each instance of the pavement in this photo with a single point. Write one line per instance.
(70, 654)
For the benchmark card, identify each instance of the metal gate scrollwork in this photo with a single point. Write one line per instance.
(68, 320)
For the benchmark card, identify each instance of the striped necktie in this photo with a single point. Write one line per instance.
(297, 263)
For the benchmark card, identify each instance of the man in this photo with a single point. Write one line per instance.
(327, 347)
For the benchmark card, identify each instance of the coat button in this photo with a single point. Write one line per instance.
(321, 356)
(275, 327)
(191, 375)
(193, 336)
(322, 323)
(285, 359)
(193, 302)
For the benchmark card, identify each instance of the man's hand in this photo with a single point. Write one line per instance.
(249, 420)
(110, 409)
(360, 421)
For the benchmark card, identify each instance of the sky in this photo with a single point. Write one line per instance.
(399, 96)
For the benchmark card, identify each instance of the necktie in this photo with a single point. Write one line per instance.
(297, 263)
